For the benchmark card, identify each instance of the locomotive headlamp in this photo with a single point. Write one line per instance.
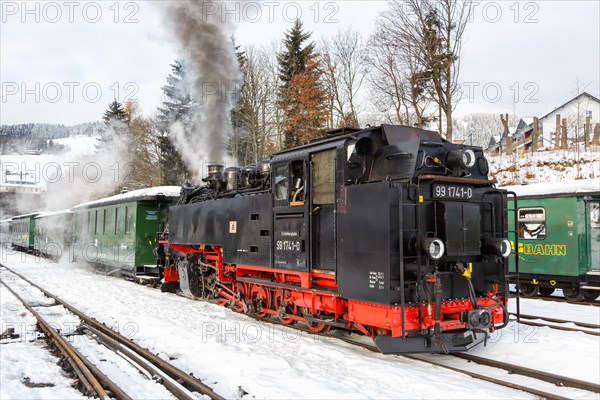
(505, 248)
(434, 248)
(501, 247)
(464, 158)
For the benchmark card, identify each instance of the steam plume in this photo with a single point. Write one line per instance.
(214, 72)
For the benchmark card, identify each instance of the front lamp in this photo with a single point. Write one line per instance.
(464, 158)
(434, 248)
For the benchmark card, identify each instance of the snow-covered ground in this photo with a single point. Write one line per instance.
(26, 362)
(546, 166)
(235, 354)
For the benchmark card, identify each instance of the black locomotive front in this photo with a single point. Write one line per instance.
(422, 214)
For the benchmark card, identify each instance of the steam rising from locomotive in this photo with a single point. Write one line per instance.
(390, 231)
(214, 73)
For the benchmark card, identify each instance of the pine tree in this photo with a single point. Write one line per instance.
(116, 127)
(294, 57)
(115, 112)
(178, 107)
(292, 61)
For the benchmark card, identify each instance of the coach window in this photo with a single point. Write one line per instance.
(96, 230)
(532, 223)
(281, 182)
(128, 219)
(106, 217)
(117, 220)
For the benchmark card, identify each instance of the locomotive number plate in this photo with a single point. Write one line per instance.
(450, 191)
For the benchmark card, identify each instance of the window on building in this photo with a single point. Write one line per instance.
(532, 223)
(96, 230)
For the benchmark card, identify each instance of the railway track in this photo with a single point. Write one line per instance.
(179, 383)
(594, 303)
(510, 371)
(528, 320)
(510, 374)
(538, 383)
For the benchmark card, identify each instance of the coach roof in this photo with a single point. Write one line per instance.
(171, 192)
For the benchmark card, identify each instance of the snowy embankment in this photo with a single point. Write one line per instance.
(546, 166)
(235, 354)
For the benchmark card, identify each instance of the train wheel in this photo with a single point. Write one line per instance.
(546, 291)
(316, 327)
(283, 310)
(573, 294)
(240, 289)
(590, 295)
(259, 292)
(529, 290)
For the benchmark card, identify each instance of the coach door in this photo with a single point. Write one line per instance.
(594, 234)
(323, 210)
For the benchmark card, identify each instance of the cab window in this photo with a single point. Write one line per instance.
(532, 223)
(290, 183)
(281, 182)
(298, 188)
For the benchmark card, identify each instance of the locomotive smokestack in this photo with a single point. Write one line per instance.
(210, 60)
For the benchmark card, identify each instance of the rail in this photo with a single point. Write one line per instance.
(510, 369)
(579, 325)
(80, 369)
(177, 381)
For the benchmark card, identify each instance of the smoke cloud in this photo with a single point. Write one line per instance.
(98, 172)
(90, 168)
(210, 59)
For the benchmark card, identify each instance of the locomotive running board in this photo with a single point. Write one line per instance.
(454, 342)
(282, 285)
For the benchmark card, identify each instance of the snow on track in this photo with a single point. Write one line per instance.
(230, 351)
(23, 360)
(119, 370)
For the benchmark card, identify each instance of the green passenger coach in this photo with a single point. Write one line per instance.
(53, 234)
(5, 232)
(118, 233)
(22, 231)
(559, 238)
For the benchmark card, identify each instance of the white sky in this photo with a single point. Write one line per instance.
(59, 66)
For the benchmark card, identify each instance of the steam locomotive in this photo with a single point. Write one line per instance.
(390, 231)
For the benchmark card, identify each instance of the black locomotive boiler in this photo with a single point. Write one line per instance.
(391, 231)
